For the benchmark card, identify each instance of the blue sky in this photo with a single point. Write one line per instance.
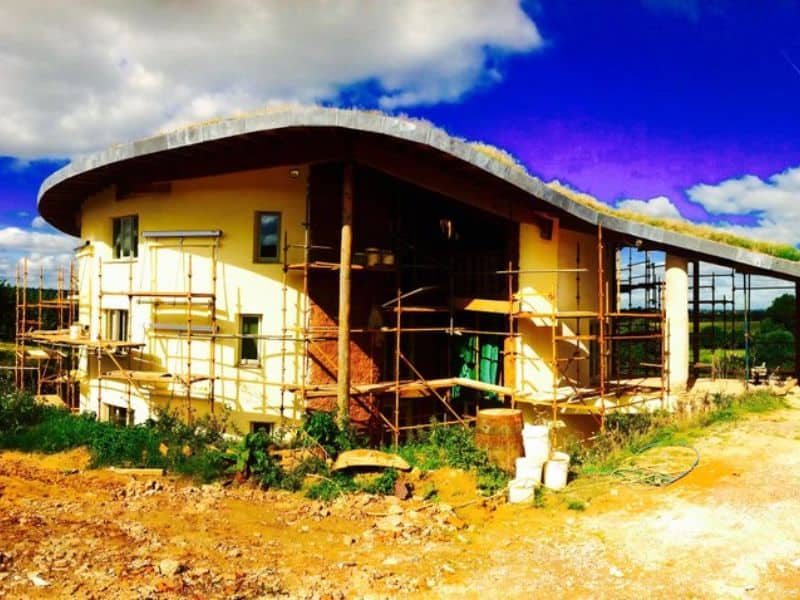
(675, 108)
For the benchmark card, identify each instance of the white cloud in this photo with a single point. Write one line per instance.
(38, 222)
(87, 74)
(43, 250)
(20, 240)
(773, 202)
(660, 207)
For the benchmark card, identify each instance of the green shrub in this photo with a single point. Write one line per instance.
(320, 427)
(454, 447)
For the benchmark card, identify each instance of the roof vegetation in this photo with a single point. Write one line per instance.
(507, 159)
(707, 232)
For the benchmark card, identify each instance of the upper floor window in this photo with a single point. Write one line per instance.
(250, 328)
(267, 237)
(126, 236)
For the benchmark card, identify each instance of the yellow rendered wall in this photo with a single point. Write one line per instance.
(226, 202)
(545, 287)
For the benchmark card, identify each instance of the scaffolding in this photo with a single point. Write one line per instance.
(49, 340)
(192, 299)
(49, 369)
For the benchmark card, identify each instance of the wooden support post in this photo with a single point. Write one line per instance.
(796, 328)
(343, 363)
(695, 317)
(601, 339)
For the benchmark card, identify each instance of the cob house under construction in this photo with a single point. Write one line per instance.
(276, 263)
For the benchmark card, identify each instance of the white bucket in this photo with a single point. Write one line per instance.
(74, 332)
(528, 468)
(536, 440)
(555, 471)
(520, 490)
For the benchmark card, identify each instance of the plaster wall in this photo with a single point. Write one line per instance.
(227, 202)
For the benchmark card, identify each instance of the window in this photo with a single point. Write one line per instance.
(119, 415)
(267, 237)
(116, 325)
(126, 237)
(248, 346)
(265, 426)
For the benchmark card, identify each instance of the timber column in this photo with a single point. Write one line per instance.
(676, 308)
(343, 348)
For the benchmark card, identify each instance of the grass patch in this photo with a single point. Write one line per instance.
(165, 442)
(630, 434)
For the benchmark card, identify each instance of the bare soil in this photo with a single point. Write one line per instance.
(729, 529)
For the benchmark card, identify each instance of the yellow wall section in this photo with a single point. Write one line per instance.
(227, 202)
(554, 287)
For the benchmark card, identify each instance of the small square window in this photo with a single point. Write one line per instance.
(267, 237)
(263, 426)
(118, 415)
(250, 328)
(126, 236)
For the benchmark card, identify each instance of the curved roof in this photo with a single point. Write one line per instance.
(236, 141)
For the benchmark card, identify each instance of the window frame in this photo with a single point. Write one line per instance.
(116, 251)
(114, 329)
(257, 258)
(249, 362)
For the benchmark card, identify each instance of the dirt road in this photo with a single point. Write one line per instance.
(729, 529)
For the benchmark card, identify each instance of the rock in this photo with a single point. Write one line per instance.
(5, 561)
(37, 581)
(348, 540)
(395, 509)
(615, 572)
(403, 490)
(169, 567)
(390, 523)
(234, 553)
(391, 561)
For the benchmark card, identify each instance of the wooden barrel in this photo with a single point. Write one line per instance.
(499, 432)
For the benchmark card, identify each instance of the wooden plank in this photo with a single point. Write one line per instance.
(500, 307)
(369, 458)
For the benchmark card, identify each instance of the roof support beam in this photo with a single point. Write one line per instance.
(343, 354)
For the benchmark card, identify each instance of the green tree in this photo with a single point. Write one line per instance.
(782, 310)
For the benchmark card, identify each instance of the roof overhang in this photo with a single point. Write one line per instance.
(313, 134)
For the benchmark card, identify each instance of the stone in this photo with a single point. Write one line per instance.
(403, 490)
(37, 581)
(169, 567)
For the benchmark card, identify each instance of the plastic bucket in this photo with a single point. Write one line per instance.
(521, 490)
(555, 471)
(536, 441)
(528, 468)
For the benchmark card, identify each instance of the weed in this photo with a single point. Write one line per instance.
(322, 428)
(629, 434)
(539, 499)
(578, 505)
(330, 488)
(453, 447)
